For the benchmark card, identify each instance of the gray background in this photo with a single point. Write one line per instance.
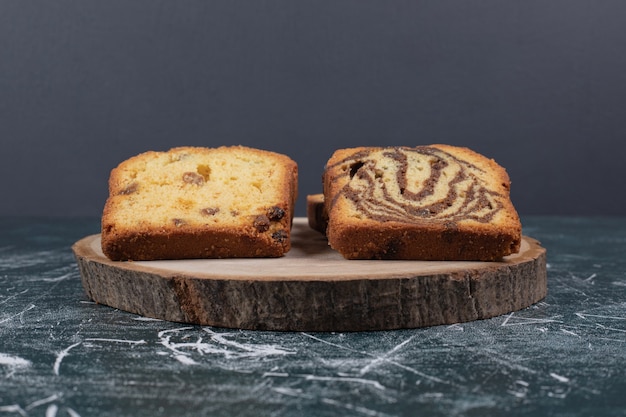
(538, 85)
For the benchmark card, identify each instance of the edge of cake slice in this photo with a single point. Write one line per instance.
(195, 202)
(435, 202)
(316, 213)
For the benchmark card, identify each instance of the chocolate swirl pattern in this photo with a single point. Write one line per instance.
(416, 185)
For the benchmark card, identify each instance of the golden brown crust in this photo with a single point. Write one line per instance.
(436, 202)
(192, 202)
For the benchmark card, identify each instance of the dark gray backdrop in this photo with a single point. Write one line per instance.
(538, 85)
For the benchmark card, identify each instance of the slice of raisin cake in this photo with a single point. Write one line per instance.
(193, 202)
(436, 202)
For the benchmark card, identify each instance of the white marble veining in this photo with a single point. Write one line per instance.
(62, 355)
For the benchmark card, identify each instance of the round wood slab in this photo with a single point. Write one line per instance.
(313, 288)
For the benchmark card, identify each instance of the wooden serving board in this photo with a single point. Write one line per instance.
(313, 288)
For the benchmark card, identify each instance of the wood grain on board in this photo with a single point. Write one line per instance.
(313, 288)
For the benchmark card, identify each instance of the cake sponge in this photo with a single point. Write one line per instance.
(435, 202)
(195, 202)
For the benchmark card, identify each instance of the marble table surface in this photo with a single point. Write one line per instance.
(63, 355)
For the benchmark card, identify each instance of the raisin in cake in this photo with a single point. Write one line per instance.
(192, 202)
(436, 202)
